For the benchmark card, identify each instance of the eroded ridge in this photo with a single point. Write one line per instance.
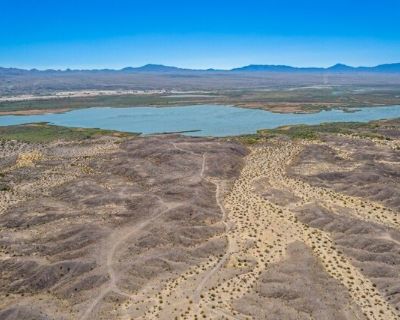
(182, 228)
(99, 227)
(263, 231)
(260, 228)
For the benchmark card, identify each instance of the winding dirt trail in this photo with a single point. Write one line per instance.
(258, 233)
(229, 249)
(129, 234)
(205, 278)
(263, 231)
(118, 238)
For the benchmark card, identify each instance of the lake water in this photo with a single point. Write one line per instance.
(200, 120)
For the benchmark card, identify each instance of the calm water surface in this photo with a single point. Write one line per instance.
(200, 120)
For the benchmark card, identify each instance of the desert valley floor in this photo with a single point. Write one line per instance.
(173, 227)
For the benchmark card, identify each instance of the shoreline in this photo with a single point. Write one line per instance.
(303, 131)
(284, 109)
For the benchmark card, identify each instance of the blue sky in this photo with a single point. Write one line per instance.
(197, 34)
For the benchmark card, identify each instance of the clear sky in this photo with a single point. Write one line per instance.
(197, 33)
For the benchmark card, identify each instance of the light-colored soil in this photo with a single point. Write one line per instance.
(189, 228)
(77, 94)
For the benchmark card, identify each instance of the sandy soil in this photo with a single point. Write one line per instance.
(78, 94)
(191, 228)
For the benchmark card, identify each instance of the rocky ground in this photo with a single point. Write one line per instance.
(170, 227)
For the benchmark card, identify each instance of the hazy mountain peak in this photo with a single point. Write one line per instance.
(340, 67)
(160, 68)
(153, 68)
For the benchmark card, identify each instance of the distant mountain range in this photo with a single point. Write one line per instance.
(159, 68)
(394, 67)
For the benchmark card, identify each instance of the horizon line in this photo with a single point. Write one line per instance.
(66, 69)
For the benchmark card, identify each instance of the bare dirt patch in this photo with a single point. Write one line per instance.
(170, 227)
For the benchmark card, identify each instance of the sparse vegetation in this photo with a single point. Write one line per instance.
(381, 130)
(43, 132)
(266, 239)
(289, 98)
